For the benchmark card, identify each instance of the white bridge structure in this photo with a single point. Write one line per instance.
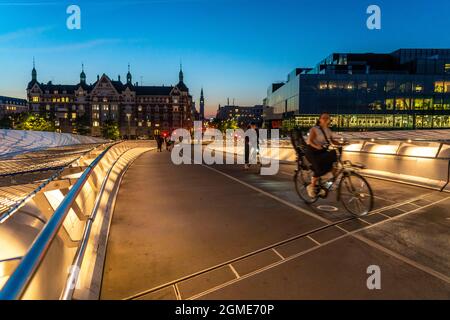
(19, 141)
(58, 227)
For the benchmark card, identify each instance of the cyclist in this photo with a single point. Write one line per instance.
(322, 159)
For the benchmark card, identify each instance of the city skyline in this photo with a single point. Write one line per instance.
(226, 47)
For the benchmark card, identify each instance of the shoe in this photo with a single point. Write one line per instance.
(246, 167)
(311, 190)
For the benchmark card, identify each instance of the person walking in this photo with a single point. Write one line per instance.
(159, 142)
(252, 126)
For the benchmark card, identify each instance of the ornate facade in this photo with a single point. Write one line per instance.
(140, 111)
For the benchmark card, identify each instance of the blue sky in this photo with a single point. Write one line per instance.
(233, 48)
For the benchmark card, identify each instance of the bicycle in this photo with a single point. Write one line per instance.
(353, 190)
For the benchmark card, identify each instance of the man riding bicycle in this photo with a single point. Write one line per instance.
(317, 151)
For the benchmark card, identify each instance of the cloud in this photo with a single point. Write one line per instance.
(77, 45)
(67, 47)
(23, 33)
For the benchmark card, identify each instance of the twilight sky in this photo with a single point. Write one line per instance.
(233, 48)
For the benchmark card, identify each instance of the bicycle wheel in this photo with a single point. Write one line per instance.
(356, 194)
(302, 179)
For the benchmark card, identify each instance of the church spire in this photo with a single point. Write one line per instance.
(82, 74)
(129, 79)
(33, 72)
(180, 74)
(202, 105)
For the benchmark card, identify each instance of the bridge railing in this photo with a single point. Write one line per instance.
(70, 247)
(414, 161)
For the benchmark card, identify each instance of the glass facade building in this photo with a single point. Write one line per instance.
(407, 89)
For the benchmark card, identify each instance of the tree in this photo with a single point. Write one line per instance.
(6, 122)
(82, 124)
(110, 130)
(34, 122)
(223, 125)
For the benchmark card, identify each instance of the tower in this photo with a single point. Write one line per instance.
(202, 106)
(129, 75)
(180, 74)
(33, 73)
(82, 75)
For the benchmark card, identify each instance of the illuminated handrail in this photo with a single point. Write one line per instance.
(79, 255)
(23, 274)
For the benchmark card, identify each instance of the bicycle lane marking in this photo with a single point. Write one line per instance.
(353, 234)
(270, 247)
(287, 203)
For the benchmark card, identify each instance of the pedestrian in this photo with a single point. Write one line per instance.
(159, 142)
(248, 149)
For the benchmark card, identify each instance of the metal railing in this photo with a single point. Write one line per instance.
(28, 266)
(7, 214)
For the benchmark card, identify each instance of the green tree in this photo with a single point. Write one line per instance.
(110, 130)
(6, 123)
(34, 122)
(82, 124)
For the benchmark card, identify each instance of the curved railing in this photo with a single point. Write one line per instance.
(95, 177)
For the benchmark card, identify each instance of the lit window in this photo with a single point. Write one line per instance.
(95, 123)
(35, 99)
(418, 88)
(439, 86)
(74, 115)
(140, 108)
(447, 68)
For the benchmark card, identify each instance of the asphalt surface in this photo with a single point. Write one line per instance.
(219, 232)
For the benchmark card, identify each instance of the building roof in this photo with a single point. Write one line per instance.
(153, 90)
(11, 100)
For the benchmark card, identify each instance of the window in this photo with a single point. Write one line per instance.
(447, 68)
(95, 123)
(389, 104)
(140, 108)
(439, 86)
(323, 86)
(35, 99)
(418, 88)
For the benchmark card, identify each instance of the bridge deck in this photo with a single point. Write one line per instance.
(219, 232)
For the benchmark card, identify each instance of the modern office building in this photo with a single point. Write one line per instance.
(140, 111)
(405, 89)
(242, 114)
(9, 106)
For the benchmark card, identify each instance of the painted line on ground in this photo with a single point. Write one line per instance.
(419, 266)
